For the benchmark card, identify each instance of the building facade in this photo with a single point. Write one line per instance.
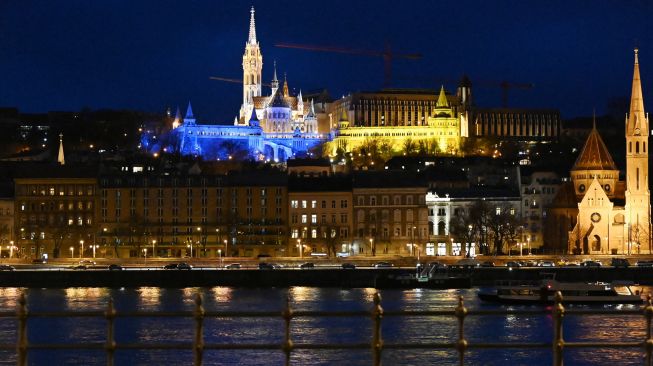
(390, 214)
(320, 215)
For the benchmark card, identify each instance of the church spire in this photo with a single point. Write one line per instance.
(285, 85)
(636, 117)
(252, 28)
(189, 111)
(442, 99)
(177, 121)
(60, 158)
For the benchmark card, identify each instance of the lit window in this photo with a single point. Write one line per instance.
(314, 204)
(304, 219)
(304, 204)
(313, 219)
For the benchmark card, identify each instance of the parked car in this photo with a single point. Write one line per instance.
(572, 264)
(348, 266)
(170, 266)
(307, 265)
(79, 267)
(468, 263)
(185, 266)
(644, 263)
(87, 262)
(383, 265)
(487, 264)
(263, 255)
(115, 267)
(265, 265)
(513, 264)
(437, 265)
(342, 254)
(39, 261)
(6, 267)
(620, 262)
(591, 263)
(233, 266)
(546, 264)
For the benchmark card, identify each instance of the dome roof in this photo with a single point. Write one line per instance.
(595, 155)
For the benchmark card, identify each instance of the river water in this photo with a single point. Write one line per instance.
(306, 330)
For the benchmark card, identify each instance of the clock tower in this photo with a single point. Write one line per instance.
(638, 204)
(252, 67)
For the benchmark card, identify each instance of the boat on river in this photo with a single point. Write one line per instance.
(543, 292)
(432, 277)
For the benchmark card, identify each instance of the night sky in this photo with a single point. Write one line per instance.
(149, 54)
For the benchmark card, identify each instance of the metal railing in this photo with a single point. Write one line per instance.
(377, 345)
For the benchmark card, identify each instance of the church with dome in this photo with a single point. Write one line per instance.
(596, 211)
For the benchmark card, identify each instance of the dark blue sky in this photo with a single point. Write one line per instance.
(149, 54)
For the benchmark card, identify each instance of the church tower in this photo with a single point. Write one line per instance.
(252, 67)
(638, 204)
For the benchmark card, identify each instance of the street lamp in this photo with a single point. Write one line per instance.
(226, 249)
(199, 236)
(11, 249)
(220, 255)
(191, 248)
(145, 252)
(94, 247)
(72, 250)
(372, 246)
(301, 249)
(528, 240)
(153, 242)
(81, 244)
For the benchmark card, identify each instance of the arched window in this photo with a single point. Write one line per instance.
(441, 228)
(637, 147)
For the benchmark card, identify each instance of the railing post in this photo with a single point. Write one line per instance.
(287, 346)
(198, 343)
(21, 314)
(558, 342)
(110, 345)
(461, 345)
(648, 343)
(377, 342)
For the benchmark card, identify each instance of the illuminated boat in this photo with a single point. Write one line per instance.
(543, 292)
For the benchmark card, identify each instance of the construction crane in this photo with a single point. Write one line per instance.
(505, 87)
(387, 54)
(235, 81)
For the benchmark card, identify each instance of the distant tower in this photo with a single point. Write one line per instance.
(252, 67)
(189, 120)
(638, 203)
(177, 121)
(60, 158)
(275, 81)
(464, 92)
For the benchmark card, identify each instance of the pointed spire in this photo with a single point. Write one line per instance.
(311, 110)
(60, 158)
(253, 117)
(274, 78)
(189, 111)
(299, 97)
(636, 117)
(442, 99)
(343, 116)
(177, 121)
(285, 85)
(252, 28)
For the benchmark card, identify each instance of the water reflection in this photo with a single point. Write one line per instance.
(339, 330)
(149, 297)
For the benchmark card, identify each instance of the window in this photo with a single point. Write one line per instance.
(372, 201)
(343, 203)
(295, 233)
(304, 219)
(323, 204)
(343, 218)
(324, 220)
(314, 233)
(304, 204)
(313, 219)
(313, 204)
(294, 204)
(497, 211)
(409, 200)
(360, 200)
